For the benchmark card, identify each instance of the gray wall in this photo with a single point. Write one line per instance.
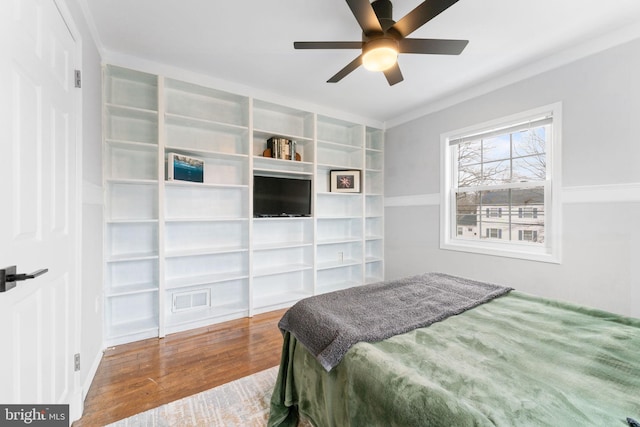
(600, 267)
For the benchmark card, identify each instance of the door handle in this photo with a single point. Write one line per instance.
(8, 277)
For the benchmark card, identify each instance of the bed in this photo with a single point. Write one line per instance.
(510, 360)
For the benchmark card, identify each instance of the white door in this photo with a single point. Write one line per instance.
(39, 213)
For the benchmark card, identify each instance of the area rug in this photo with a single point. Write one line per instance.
(244, 402)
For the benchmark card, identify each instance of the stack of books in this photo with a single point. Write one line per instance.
(282, 148)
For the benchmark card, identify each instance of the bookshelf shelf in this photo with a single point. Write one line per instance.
(179, 254)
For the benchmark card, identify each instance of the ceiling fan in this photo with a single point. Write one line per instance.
(383, 38)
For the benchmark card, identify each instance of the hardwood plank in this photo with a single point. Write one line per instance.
(139, 376)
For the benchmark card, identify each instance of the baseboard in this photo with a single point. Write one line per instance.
(76, 406)
(91, 374)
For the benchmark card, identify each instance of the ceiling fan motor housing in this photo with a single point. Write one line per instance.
(384, 12)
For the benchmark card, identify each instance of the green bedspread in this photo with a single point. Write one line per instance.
(515, 361)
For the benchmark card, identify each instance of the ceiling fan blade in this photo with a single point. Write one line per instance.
(393, 75)
(432, 46)
(422, 14)
(327, 45)
(365, 15)
(346, 70)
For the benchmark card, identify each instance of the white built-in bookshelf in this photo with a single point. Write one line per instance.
(179, 254)
(374, 206)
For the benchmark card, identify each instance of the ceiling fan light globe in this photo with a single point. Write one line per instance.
(380, 59)
(380, 54)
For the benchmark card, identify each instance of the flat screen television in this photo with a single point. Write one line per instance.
(275, 196)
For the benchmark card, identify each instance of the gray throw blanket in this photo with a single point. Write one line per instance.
(329, 324)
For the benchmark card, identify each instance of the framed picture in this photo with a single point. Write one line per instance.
(345, 181)
(184, 168)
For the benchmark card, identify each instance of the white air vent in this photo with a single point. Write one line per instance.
(191, 300)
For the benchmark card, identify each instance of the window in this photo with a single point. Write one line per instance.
(494, 212)
(494, 233)
(527, 212)
(529, 235)
(501, 182)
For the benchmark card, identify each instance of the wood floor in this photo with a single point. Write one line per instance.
(139, 376)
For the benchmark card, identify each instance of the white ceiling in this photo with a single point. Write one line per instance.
(251, 43)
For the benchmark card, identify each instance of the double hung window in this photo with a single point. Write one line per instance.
(501, 182)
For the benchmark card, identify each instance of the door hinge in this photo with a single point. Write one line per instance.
(77, 77)
(76, 362)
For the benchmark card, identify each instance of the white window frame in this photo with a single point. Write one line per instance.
(550, 250)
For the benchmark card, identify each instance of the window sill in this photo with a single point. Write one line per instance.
(512, 251)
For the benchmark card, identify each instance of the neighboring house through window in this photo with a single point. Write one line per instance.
(501, 183)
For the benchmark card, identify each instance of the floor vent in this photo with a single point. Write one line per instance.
(191, 300)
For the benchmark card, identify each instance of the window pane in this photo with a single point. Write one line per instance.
(496, 172)
(496, 148)
(469, 152)
(469, 175)
(496, 198)
(532, 168)
(467, 209)
(528, 197)
(528, 219)
(532, 141)
(495, 221)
